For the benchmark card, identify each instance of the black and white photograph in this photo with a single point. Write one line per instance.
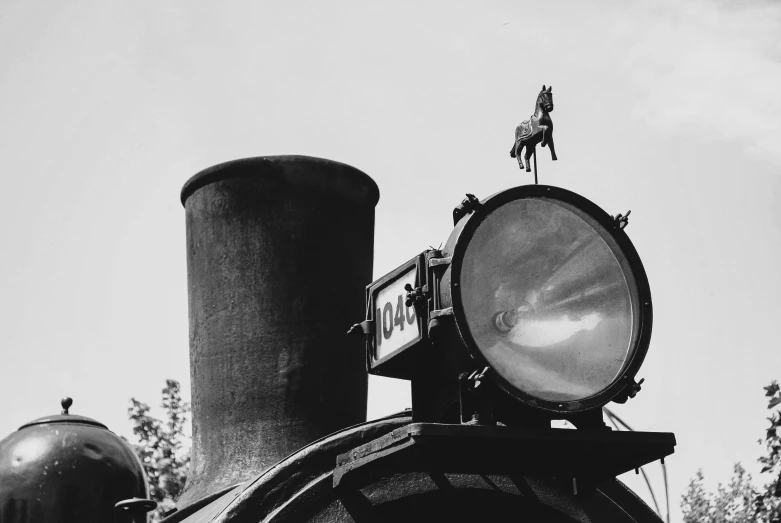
(308, 261)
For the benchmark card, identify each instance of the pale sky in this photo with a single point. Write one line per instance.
(670, 109)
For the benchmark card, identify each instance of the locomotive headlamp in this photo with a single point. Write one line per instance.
(544, 289)
(549, 293)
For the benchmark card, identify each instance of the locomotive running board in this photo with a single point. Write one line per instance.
(588, 455)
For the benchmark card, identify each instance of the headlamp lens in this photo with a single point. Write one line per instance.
(549, 299)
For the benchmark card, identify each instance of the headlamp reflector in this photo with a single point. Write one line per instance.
(550, 299)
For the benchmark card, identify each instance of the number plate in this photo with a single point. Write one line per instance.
(396, 326)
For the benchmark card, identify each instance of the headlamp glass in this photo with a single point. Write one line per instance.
(549, 299)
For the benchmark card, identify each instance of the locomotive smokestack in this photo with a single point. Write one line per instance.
(279, 251)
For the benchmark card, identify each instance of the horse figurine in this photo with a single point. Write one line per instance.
(537, 129)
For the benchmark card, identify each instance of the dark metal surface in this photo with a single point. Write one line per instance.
(537, 129)
(590, 456)
(300, 489)
(64, 417)
(451, 296)
(279, 251)
(467, 205)
(267, 493)
(69, 468)
(206, 509)
(469, 498)
(136, 505)
(622, 220)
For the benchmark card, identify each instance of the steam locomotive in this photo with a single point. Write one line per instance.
(536, 309)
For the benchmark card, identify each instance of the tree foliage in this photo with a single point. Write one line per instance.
(162, 446)
(740, 501)
(769, 501)
(734, 503)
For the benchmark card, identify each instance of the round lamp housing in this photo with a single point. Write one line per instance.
(549, 293)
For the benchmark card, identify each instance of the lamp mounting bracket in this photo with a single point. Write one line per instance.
(622, 220)
(468, 205)
(435, 262)
(365, 328)
(630, 391)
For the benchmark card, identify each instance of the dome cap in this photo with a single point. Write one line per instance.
(64, 417)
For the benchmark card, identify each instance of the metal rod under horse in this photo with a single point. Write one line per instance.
(537, 129)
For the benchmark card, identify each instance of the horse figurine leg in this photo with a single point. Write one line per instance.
(519, 154)
(515, 152)
(529, 152)
(550, 146)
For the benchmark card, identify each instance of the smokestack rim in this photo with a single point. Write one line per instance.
(297, 170)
